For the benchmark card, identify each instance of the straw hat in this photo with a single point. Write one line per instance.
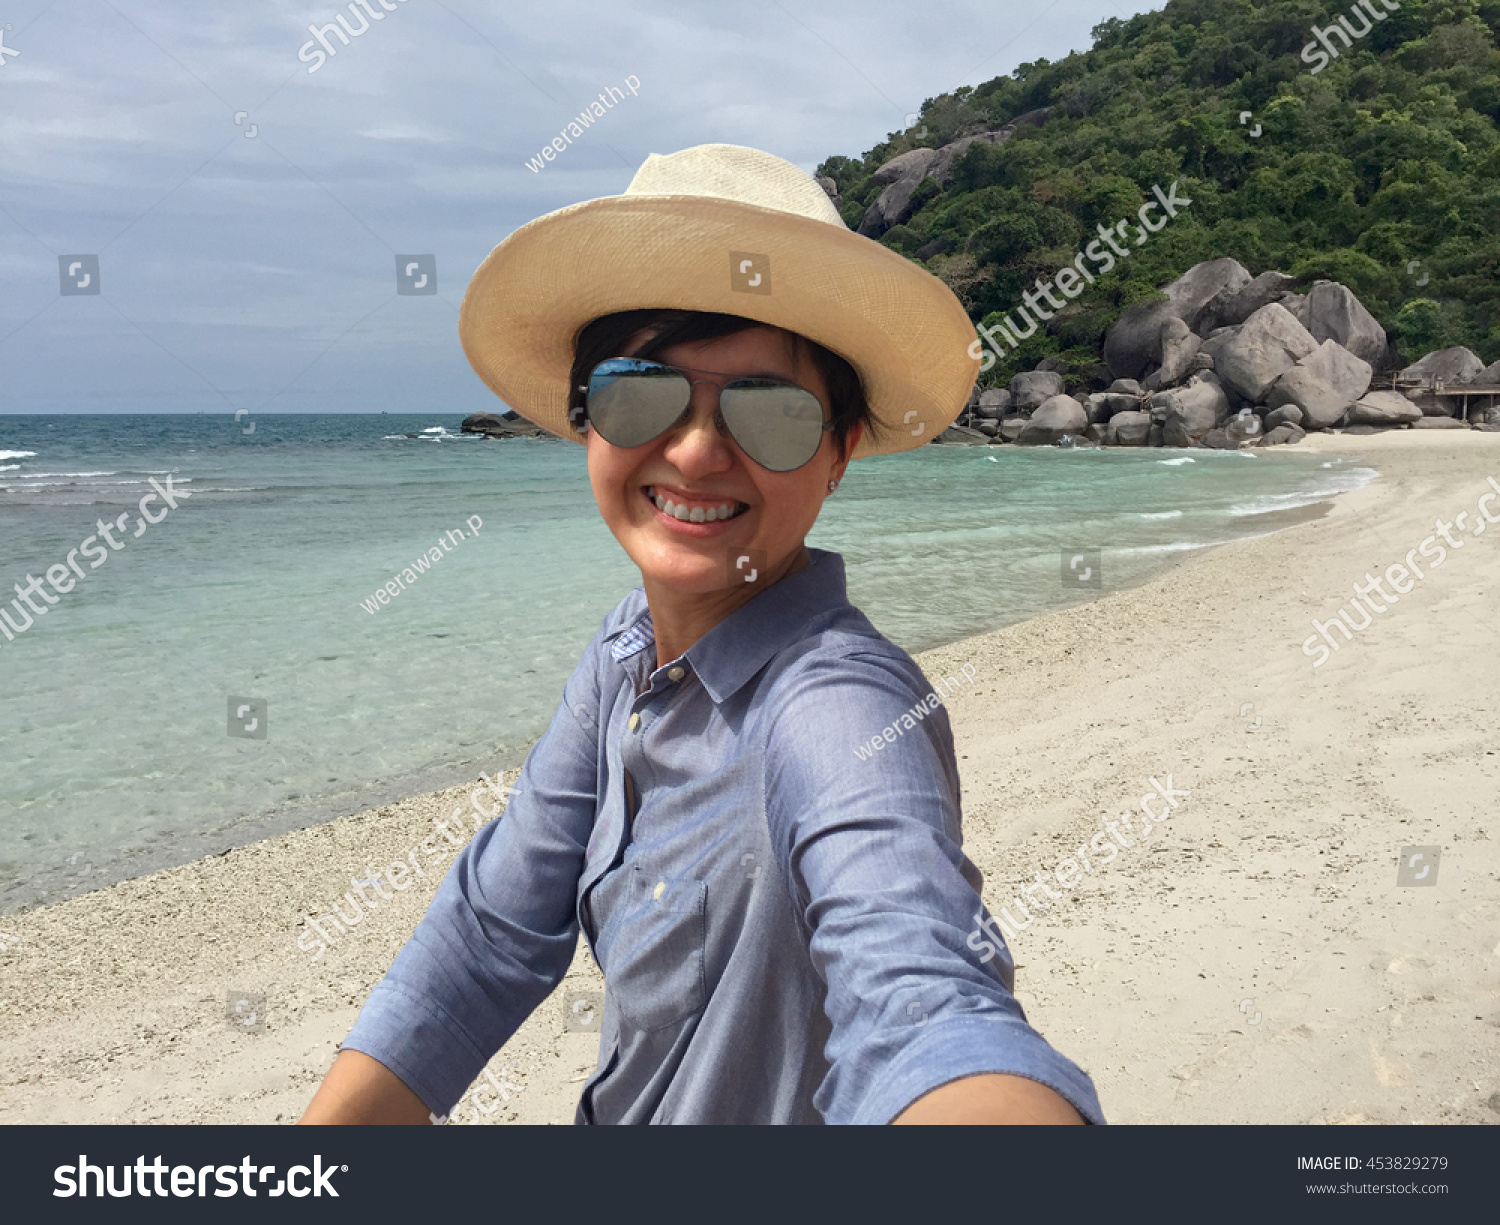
(730, 229)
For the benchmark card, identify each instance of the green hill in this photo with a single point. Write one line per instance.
(1380, 170)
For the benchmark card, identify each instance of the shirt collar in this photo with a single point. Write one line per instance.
(745, 641)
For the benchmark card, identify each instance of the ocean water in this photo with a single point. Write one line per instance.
(116, 756)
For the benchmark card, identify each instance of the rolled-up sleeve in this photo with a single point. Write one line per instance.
(869, 842)
(502, 928)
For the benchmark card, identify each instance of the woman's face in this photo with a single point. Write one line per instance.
(695, 465)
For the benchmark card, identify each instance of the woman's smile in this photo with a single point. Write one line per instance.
(700, 515)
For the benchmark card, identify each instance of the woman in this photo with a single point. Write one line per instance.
(781, 921)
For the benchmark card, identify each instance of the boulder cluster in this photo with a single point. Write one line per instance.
(504, 425)
(1230, 359)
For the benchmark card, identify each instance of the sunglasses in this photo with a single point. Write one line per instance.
(631, 402)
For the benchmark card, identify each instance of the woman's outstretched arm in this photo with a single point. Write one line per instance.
(359, 1089)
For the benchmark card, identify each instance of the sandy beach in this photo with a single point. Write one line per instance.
(1297, 981)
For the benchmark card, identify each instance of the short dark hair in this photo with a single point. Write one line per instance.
(606, 337)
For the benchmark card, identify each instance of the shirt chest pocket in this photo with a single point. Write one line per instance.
(654, 928)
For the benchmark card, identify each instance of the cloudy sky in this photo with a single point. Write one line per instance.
(246, 207)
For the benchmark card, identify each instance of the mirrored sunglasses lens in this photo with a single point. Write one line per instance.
(631, 402)
(777, 426)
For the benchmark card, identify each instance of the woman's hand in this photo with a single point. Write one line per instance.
(991, 1098)
(359, 1089)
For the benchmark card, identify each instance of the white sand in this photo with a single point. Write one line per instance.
(1369, 1002)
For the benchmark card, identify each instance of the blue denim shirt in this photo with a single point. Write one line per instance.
(780, 919)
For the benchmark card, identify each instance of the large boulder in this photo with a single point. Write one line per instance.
(1340, 369)
(993, 403)
(1282, 434)
(1287, 414)
(900, 177)
(1031, 389)
(1268, 287)
(1128, 429)
(1011, 427)
(1133, 345)
(1129, 387)
(1455, 365)
(1205, 288)
(1321, 406)
(1178, 346)
(1215, 341)
(1439, 423)
(1384, 408)
(1334, 313)
(1191, 412)
(1267, 345)
(1098, 407)
(1058, 418)
(1488, 377)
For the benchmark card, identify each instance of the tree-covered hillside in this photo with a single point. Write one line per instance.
(1381, 171)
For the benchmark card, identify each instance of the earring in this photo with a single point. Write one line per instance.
(832, 485)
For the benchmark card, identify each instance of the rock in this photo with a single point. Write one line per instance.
(1178, 346)
(1455, 365)
(942, 165)
(1488, 377)
(962, 435)
(1011, 427)
(1204, 288)
(1384, 408)
(1116, 402)
(1098, 407)
(1191, 412)
(1031, 390)
(1128, 429)
(1218, 440)
(1267, 345)
(1334, 313)
(1244, 426)
(993, 403)
(1282, 434)
(1296, 306)
(987, 427)
(1322, 406)
(1133, 344)
(831, 189)
(1369, 429)
(900, 176)
(1098, 433)
(1216, 341)
(1287, 414)
(1129, 387)
(1268, 287)
(1056, 418)
(507, 425)
(1440, 423)
(1340, 369)
(1202, 361)
(1154, 438)
(1052, 365)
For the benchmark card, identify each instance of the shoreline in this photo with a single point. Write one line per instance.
(1070, 714)
(60, 879)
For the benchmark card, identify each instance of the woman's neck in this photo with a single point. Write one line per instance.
(681, 618)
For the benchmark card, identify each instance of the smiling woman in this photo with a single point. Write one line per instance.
(712, 721)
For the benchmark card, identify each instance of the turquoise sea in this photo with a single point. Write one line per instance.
(116, 756)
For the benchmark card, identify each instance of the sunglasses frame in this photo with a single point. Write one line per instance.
(580, 416)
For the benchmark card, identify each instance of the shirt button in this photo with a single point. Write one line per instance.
(635, 722)
(676, 674)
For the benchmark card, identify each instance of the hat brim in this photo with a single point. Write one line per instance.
(902, 329)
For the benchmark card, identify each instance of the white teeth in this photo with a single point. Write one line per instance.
(697, 514)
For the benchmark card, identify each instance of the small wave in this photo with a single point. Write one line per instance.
(10, 467)
(17, 454)
(1164, 514)
(434, 429)
(1181, 459)
(30, 475)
